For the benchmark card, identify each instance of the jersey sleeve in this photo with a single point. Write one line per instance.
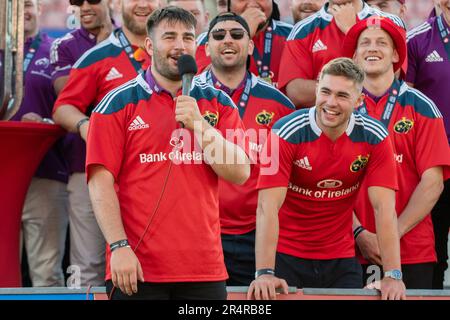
(80, 90)
(296, 63)
(382, 168)
(61, 60)
(106, 141)
(413, 59)
(276, 161)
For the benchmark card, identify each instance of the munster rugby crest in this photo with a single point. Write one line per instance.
(264, 117)
(212, 118)
(403, 126)
(359, 163)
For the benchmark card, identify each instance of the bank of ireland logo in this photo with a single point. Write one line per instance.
(403, 126)
(211, 117)
(264, 117)
(360, 163)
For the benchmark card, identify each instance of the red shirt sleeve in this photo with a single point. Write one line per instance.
(106, 141)
(276, 161)
(382, 168)
(296, 63)
(203, 61)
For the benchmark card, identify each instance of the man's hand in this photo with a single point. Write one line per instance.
(344, 15)
(368, 245)
(31, 117)
(264, 287)
(187, 112)
(126, 270)
(391, 289)
(254, 18)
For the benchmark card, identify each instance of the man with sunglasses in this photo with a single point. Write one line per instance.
(268, 35)
(316, 40)
(164, 152)
(260, 105)
(87, 245)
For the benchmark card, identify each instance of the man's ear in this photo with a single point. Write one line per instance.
(149, 46)
(208, 54)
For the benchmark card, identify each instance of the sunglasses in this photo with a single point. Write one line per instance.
(236, 33)
(79, 3)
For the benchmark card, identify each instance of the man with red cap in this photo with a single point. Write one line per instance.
(413, 121)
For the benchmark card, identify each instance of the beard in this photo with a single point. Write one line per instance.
(162, 66)
(132, 25)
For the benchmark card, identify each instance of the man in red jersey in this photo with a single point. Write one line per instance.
(260, 106)
(163, 224)
(267, 32)
(316, 40)
(304, 217)
(413, 121)
(105, 67)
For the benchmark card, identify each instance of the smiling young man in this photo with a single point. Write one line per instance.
(413, 121)
(302, 9)
(163, 225)
(304, 216)
(397, 7)
(268, 35)
(260, 106)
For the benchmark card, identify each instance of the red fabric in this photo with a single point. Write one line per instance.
(22, 147)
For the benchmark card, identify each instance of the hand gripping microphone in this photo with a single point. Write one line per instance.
(187, 68)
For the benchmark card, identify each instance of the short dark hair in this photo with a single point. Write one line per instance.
(173, 15)
(346, 68)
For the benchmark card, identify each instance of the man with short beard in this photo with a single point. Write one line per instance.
(316, 40)
(302, 9)
(106, 66)
(267, 32)
(87, 246)
(260, 106)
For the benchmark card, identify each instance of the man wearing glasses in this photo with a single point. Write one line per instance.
(260, 106)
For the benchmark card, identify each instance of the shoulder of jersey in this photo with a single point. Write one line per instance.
(420, 29)
(295, 127)
(202, 39)
(282, 28)
(109, 47)
(263, 90)
(396, 19)
(306, 26)
(419, 102)
(203, 90)
(130, 92)
(367, 129)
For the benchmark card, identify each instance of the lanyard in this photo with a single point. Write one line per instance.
(390, 104)
(243, 101)
(444, 35)
(129, 50)
(31, 52)
(263, 62)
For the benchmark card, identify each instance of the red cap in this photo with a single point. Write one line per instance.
(397, 34)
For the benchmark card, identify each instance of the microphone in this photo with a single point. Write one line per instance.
(187, 68)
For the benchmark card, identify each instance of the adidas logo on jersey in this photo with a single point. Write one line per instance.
(303, 163)
(138, 124)
(113, 74)
(319, 46)
(434, 57)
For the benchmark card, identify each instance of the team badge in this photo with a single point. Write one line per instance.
(264, 117)
(359, 163)
(403, 126)
(212, 118)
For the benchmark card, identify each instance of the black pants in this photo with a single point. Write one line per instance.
(415, 276)
(441, 224)
(172, 291)
(306, 273)
(239, 254)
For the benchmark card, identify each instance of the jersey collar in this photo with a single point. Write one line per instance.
(219, 85)
(365, 11)
(315, 128)
(87, 35)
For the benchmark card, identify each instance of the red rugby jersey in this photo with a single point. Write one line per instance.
(323, 178)
(132, 135)
(100, 70)
(315, 41)
(264, 107)
(418, 134)
(280, 33)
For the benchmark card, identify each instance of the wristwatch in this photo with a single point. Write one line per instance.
(394, 274)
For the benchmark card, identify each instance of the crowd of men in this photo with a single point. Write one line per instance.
(299, 155)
